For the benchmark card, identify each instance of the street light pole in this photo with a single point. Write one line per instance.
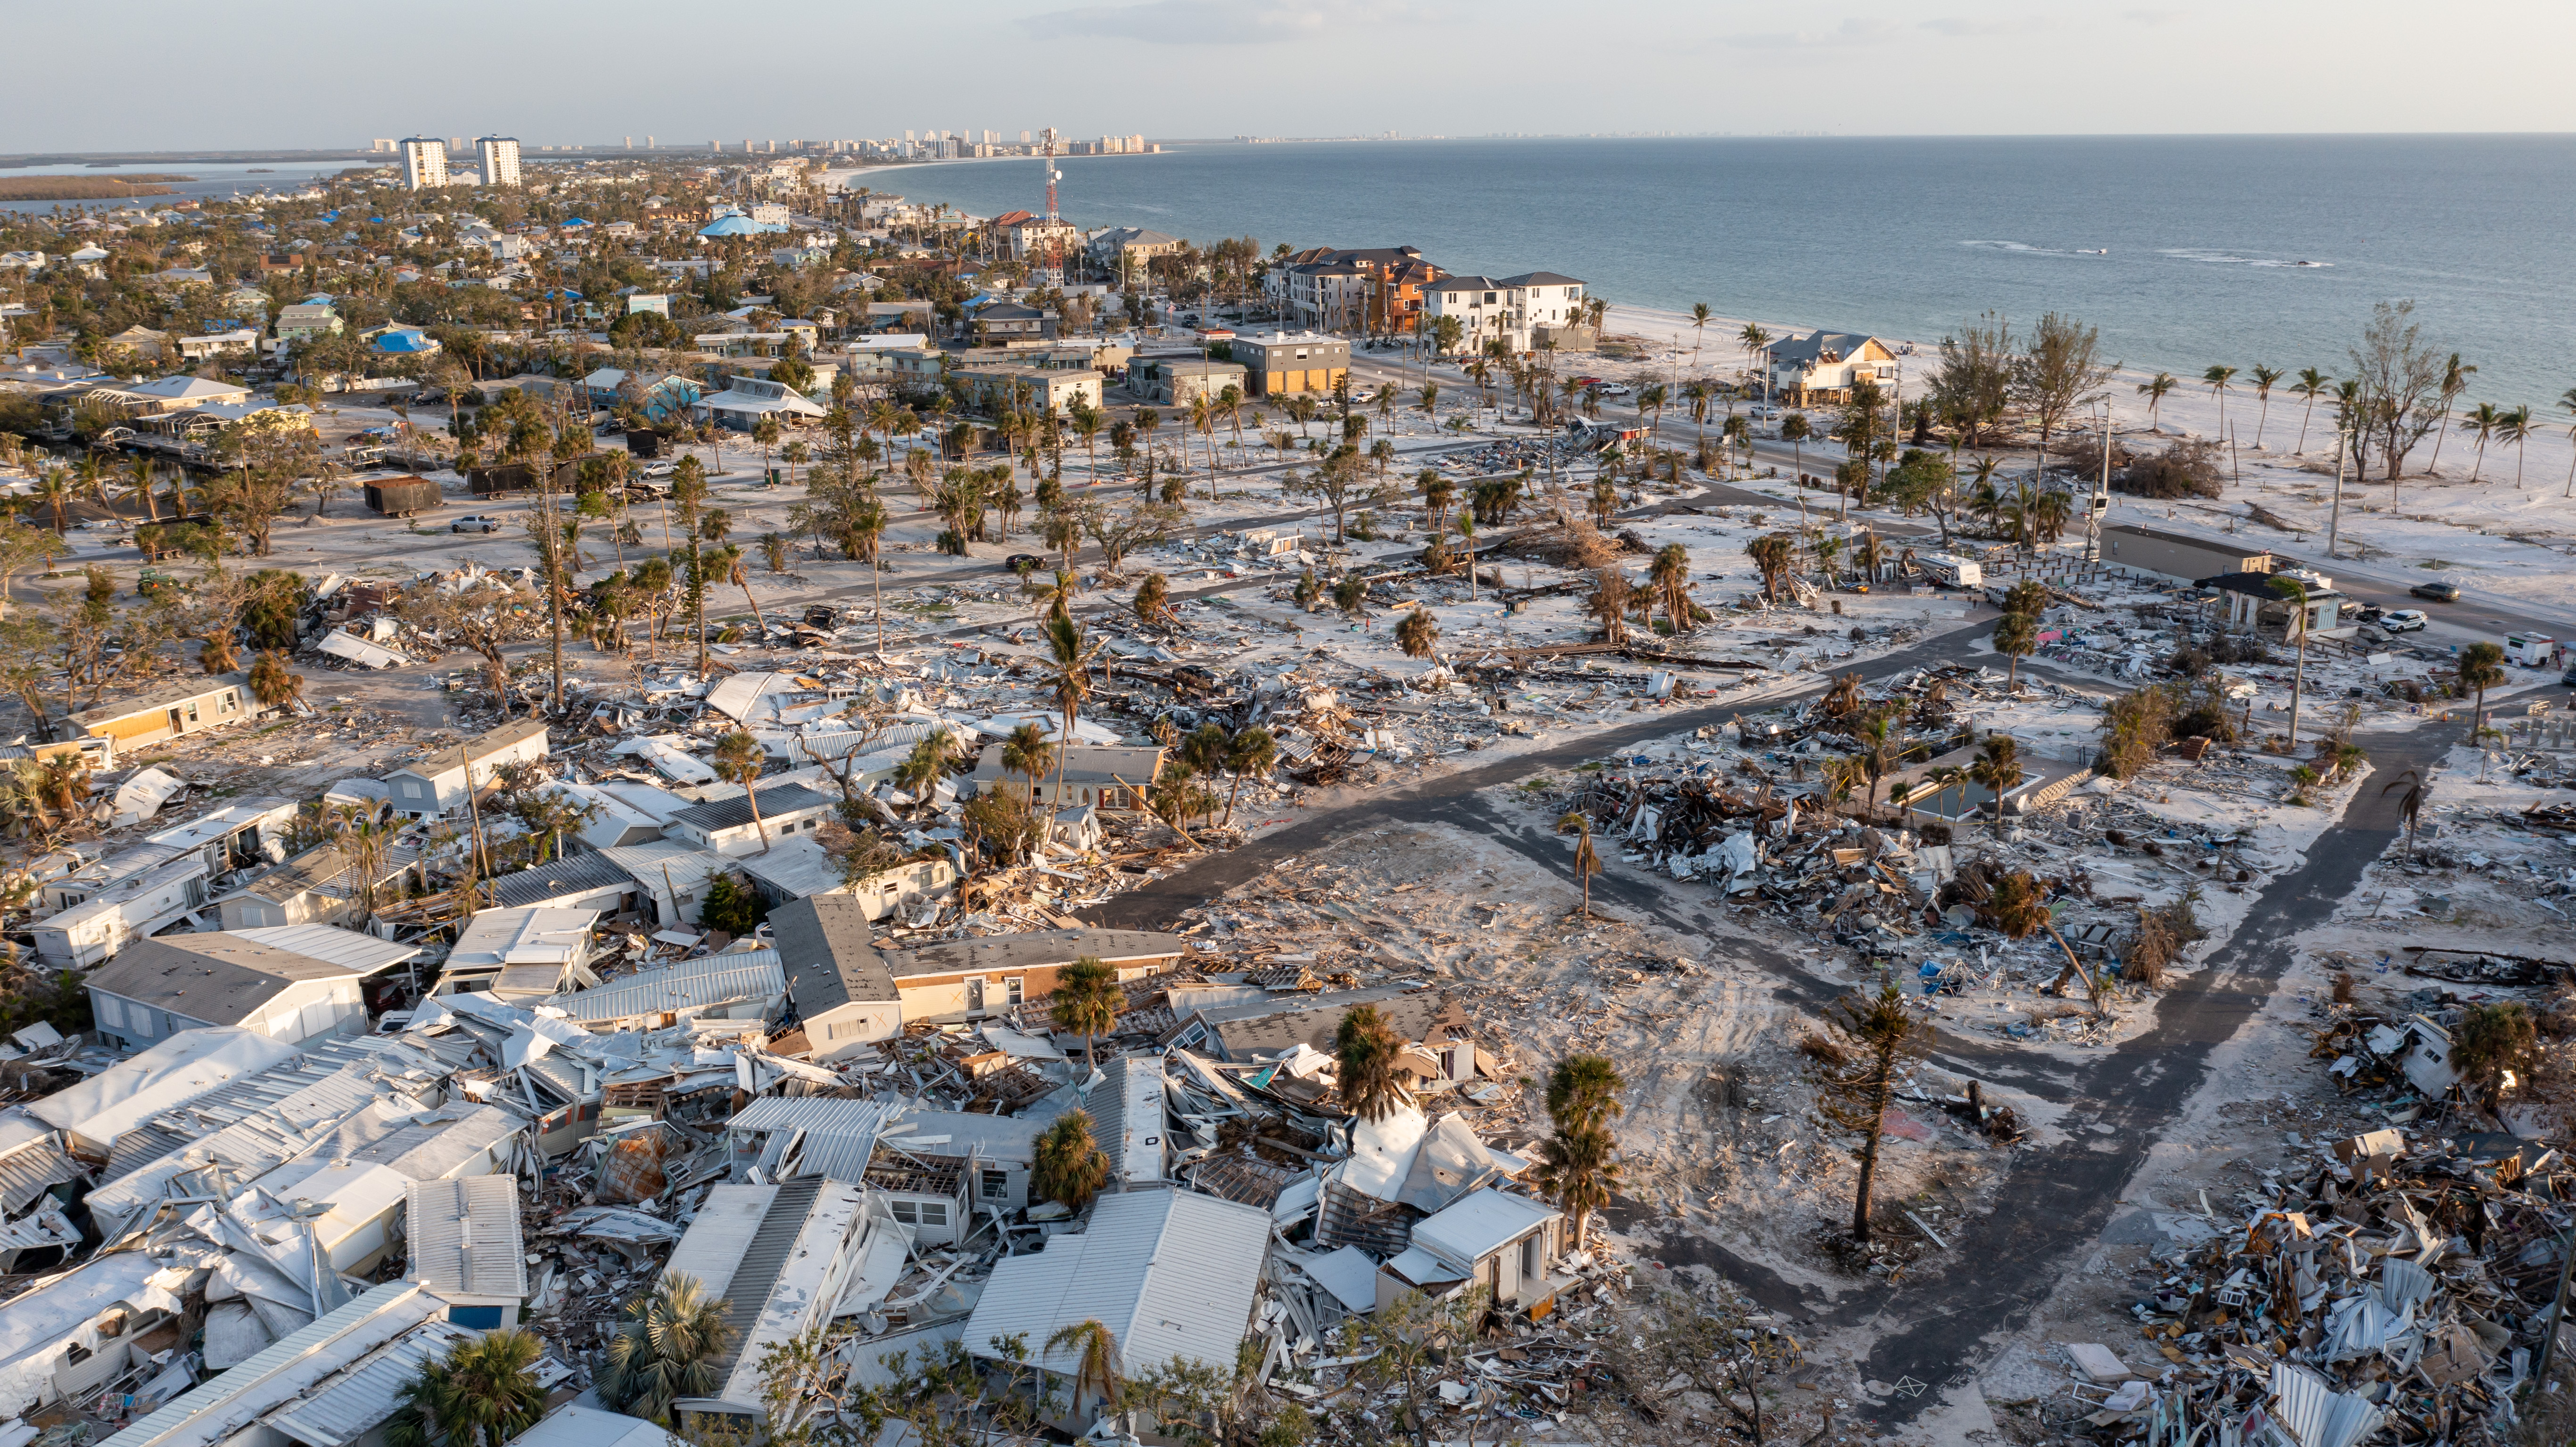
(2334, 518)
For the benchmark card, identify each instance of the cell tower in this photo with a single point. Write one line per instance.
(1052, 272)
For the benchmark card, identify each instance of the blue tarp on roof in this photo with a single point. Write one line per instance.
(738, 226)
(405, 343)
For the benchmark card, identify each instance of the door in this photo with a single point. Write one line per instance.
(175, 725)
(975, 996)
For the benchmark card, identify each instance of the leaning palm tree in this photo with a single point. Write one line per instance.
(665, 1349)
(2265, 378)
(2482, 421)
(2410, 803)
(481, 1393)
(1251, 751)
(1095, 1354)
(1086, 1001)
(272, 682)
(1066, 1165)
(739, 758)
(1417, 634)
(1699, 330)
(2154, 390)
(1366, 1052)
(2514, 428)
(2455, 380)
(2311, 383)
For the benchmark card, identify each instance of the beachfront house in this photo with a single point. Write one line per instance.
(1518, 311)
(1823, 367)
(1288, 363)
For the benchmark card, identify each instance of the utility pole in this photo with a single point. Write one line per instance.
(1054, 272)
(2334, 518)
(2100, 502)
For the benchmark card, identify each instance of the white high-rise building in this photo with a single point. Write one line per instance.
(499, 158)
(424, 161)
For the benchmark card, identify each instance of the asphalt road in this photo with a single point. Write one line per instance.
(2003, 1267)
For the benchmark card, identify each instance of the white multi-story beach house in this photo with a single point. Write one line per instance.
(1516, 310)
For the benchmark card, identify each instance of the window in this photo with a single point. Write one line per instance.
(934, 1213)
(1015, 984)
(231, 700)
(903, 1211)
(192, 710)
(997, 1185)
(110, 1013)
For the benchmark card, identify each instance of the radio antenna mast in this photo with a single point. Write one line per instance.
(1053, 272)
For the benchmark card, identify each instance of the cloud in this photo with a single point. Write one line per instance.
(1959, 28)
(1181, 22)
(1856, 31)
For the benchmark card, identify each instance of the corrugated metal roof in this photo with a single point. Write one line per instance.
(1127, 1106)
(188, 1065)
(689, 985)
(822, 1114)
(31, 1170)
(438, 1148)
(465, 1236)
(216, 1410)
(719, 1235)
(1170, 1273)
(1479, 1225)
(359, 1398)
(252, 1097)
(922, 1344)
(571, 877)
(333, 945)
(247, 1148)
(578, 1426)
(819, 1230)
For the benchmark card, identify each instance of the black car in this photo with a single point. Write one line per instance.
(1024, 563)
(2438, 592)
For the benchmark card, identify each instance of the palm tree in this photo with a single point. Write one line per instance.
(1755, 340)
(1670, 576)
(1998, 769)
(2567, 400)
(2481, 668)
(1366, 1053)
(739, 759)
(2483, 419)
(2311, 382)
(1153, 602)
(1087, 1001)
(1770, 553)
(2515, 427)
(1026, 753)
(1577, 1166)
(2020, 908)
(1250, 751)
(1587, 860)
(481, 1394)
(2217, 379)
(1069, 656)
(2016, 636)
(2154, 390)
(1699, 330)
(1095, 1353)
(2264, 379)
(666, 1349)
(2295, 593)
(2409, 804)
(2455, 380)
(1065, 1164)
(273, 682)
(1417, 634)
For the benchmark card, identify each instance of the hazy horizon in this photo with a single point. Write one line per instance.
(584, 73)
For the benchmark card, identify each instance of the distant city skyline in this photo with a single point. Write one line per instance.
(583, 73)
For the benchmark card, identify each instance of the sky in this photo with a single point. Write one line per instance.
(292, 74)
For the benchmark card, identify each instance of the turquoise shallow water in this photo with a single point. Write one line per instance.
(1906, 237)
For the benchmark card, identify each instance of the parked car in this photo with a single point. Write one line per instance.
(1617, 389)
(2403, 620)
(2367, 612)
(2438, 592)
(1764, 413)
(2568, 679)
(477, 523)
(1024, 563)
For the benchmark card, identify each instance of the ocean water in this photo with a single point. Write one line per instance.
(209, 180)
(2201, 237)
